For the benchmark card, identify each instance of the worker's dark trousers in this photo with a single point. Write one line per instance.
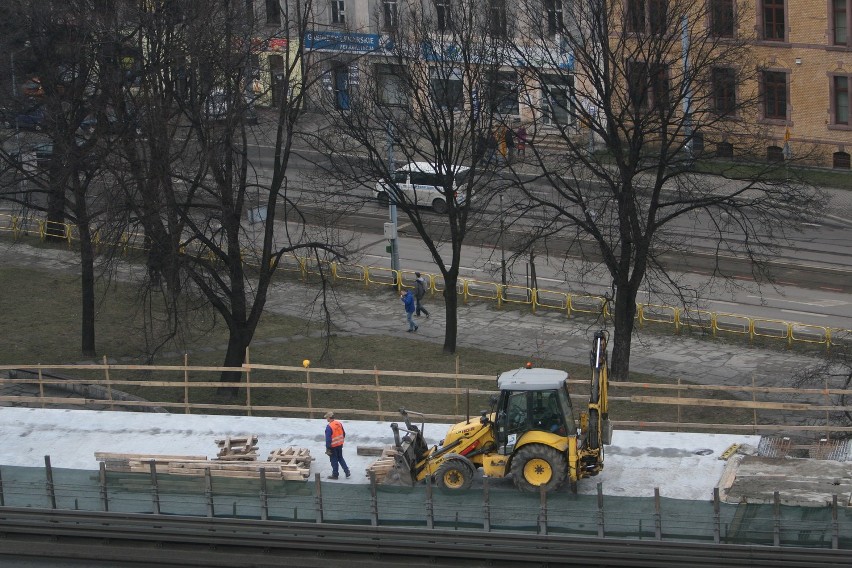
(337, 460)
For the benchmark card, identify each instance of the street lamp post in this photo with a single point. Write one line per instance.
(394, 242)
(12, 67)
(502, 245)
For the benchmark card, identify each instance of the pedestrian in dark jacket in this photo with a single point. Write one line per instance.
(334, 437)
(408, 301)
(419, 294)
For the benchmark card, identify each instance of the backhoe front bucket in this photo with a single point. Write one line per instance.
(399, 474)
(409, 450)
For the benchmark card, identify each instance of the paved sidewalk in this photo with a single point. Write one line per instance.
(482, 325)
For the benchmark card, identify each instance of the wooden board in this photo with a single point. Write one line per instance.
(291, 463)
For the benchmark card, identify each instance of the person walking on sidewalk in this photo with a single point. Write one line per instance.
(419, 293)
(408, 301)
(334, 437)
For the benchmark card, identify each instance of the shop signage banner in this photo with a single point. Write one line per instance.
(556, 57)
(341, 42)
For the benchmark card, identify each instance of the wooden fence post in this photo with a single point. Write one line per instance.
(51, 489)
(109, 384)
(186, 383)
(40, 386)
(678, 403)
(264, 501)
(318, 497)
(457, 385)
(248, 382)
(208, 491)
(754, 403)
(378, 391)
(102, 481)
(155, 487)
(658, 515)
(310, 401)
(717, 517)
(374, 500)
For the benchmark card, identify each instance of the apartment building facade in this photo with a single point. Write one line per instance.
(805, 50)
(802, 49)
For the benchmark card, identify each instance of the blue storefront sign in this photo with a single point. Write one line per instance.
(341, 42)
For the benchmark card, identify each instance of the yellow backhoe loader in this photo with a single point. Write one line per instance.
(531, 433)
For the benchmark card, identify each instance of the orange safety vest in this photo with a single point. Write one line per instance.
(337, 433)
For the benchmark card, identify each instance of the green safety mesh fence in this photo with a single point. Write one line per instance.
(504, 509)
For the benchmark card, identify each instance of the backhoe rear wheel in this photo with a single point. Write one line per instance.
(454, 475)
(538, 465)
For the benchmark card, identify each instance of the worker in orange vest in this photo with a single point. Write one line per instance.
(334, 436)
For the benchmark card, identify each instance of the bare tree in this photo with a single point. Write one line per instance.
(60, 164)
(217, 217)
(428, 102)
(631, 92)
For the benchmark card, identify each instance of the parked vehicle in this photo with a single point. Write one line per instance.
(32, 87)
(31, 119)
(420, 184)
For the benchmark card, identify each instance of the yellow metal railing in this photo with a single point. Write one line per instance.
(712, 322)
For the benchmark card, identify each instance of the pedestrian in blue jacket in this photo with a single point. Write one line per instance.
(408, 301)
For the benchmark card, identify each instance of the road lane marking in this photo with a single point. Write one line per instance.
(797, 312)
(824, 303)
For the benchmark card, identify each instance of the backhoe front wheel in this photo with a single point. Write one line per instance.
(454, 475)
(537, 465)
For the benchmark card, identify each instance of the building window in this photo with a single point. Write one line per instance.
(338, 15)
(273, 12)
(648, 86)
(498, 18)
(775, 95)
(558, 104)
(554, 16)
(636, 16)
(841, 160)
(774, 154)
(840, 14)
(504, 93)
(446, 87)
(722, 18)
(647, 16)
(637, 85)
(773, 20)
(840, 99)
(658, 16)
(443, 11)
(724, 90)
(390, 14)
(724, 150)
(660, 87)
(391, 86)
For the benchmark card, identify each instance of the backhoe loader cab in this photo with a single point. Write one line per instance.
(532, 399)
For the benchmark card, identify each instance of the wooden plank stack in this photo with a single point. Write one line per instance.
(383, 465)
(237, 458)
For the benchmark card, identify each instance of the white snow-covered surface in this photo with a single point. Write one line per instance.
(635, 463)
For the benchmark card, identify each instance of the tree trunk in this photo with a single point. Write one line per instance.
(87, 287)
(234, 357)
(55, 213)
(625, 312)
(451, 302)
